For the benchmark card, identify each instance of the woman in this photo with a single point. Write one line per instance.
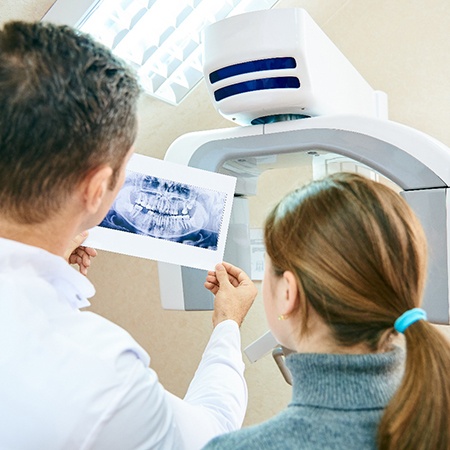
(346, 264)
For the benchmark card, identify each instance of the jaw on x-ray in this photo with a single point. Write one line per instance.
(165, 209)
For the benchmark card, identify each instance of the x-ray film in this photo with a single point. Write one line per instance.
(168, 212)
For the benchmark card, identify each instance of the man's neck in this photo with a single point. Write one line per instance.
(52, 235)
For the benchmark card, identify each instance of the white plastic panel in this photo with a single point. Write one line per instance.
(409, 158)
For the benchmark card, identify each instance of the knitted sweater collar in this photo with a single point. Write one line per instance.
(349, 382)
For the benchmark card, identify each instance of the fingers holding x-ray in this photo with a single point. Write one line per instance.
(169, 210)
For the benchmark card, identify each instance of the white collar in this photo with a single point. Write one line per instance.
(73, 286)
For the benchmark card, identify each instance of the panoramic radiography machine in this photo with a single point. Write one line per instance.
(296, 96)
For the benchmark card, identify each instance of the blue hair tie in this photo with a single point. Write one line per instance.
(408, 318)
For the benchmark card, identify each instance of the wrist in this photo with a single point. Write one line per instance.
(218, 319)
(226, 323)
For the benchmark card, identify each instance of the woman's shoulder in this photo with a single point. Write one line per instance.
(255, 437)
(305, 427)
(273, 434)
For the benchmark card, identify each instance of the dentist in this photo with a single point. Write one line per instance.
(70, 379)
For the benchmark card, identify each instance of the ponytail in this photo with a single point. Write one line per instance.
(418, 415)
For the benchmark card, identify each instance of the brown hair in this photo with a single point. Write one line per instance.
(359, 255)
(68, 106)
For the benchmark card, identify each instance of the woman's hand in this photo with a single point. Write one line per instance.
(234, 293)
(79, 254)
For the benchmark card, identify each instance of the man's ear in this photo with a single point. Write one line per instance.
(95, 186)
(292, 293)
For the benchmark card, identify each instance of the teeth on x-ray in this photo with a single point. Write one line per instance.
(167, 210)
(163, 208)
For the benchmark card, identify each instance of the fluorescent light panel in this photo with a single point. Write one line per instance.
(160, 38)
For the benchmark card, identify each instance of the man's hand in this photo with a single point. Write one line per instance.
(79, 254)
(234, 293)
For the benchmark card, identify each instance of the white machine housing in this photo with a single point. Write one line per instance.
(347, 117)
(264, 64)
(416, 162)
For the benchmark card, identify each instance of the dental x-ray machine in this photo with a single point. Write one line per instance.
(276, 73)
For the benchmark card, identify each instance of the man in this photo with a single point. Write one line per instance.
(71, 379)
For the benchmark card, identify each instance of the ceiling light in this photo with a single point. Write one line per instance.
(161, 39)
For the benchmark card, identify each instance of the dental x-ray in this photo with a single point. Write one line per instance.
(166, 209)
(168, 212)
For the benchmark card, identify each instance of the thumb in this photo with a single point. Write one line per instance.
(80, 238)
(75, 243)
(221, 274)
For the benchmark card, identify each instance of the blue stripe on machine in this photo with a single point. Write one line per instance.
(252, 66)
(257, 85)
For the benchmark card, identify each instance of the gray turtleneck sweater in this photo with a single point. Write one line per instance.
(337, 403)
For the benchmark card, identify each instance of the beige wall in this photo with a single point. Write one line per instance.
(401, 47)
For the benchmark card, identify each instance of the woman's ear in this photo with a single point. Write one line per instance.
(95, 186)
(292, 299)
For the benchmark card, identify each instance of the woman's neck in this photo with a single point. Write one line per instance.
(318, 338)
